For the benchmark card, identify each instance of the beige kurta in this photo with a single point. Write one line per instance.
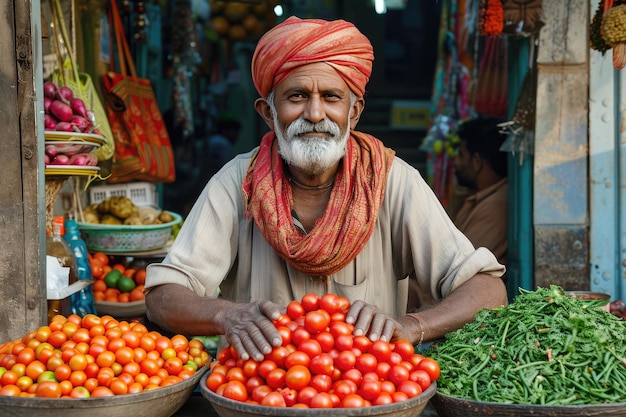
(483, 218)
(218, 247)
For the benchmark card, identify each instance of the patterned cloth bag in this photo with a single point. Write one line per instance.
(143, 151)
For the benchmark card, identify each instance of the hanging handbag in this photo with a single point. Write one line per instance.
(143, 151)
(522, 17)
(80, 83)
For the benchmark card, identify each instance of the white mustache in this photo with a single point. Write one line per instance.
(300, 126)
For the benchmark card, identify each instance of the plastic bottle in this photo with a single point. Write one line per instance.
(82, 301)
(57, 247)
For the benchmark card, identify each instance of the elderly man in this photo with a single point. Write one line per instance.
(319, 208)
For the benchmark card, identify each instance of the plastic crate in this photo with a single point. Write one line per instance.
(142, 194)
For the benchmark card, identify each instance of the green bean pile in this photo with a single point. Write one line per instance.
(545, 348)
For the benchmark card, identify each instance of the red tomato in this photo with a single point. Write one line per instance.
(299, 335)
(48, 389)
(316, 321)
(353, 375)
(295, 310)
(321, 400)
(310, 302)
(311, 347)
(252, 383)
(297, 358)
(290, 396)
(380, 349)
(370, 389)
(362, 343)
(26, 356)
(102, 392)
(274, 399)
(382, 370)
(285, 334)
(346, 360)
(298, 377)
(326, 340)
(214, 380)
(266, 367)
(330, 303)
(353, 401)
(235, 390)
(322, 383)
(235, 374)
(410, 388)
(260, 392)
(383, 399)
(404, 348)
(278, 355)
(250, 368)
(430, 366)
(337, 328)
(399, 396)
(276, 378)
(322, 364)
(305, 395)
(366, 363)
(421, 377)
(398, 374)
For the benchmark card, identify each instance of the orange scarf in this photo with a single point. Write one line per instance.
(348, 221)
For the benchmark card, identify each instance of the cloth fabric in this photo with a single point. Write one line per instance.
(483, 218)
(296, 42)
(349, 220)
(220, 251)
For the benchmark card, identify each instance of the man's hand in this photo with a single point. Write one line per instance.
(367, 320)
(250, 330)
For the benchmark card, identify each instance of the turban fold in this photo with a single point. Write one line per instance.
(297, 42)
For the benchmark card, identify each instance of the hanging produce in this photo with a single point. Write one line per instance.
(242, 21)
(607, 30)
(614, 33)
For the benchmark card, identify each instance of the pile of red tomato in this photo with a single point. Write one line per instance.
(95, 356)
(321, 364)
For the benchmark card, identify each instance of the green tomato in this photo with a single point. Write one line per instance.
(192, 365)
(47, 376)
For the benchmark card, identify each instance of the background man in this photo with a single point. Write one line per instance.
(481, 165)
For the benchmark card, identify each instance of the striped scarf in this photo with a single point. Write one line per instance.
(348, 221)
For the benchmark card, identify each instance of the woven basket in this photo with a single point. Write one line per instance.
(124, 238)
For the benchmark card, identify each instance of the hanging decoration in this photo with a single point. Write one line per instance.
(521, 128)
(492, 82)
(490, 18)
(185, 60)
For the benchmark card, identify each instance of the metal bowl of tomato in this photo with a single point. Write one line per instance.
(159, 402)
(226, 407)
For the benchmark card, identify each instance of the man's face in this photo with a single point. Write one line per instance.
(311, 115)
(463, 167)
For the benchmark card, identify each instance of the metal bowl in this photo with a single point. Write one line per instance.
(160, 402)
(230, 408)
(133, 309)
(448, 406)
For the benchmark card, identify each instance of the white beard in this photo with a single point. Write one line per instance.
(312, 154)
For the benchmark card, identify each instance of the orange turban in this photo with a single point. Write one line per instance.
(297, 42)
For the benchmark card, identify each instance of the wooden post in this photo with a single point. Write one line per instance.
(22, 269)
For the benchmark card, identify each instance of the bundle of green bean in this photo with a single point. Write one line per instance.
(544, 348)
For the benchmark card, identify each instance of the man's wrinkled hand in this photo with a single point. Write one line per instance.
(250, 330)
(368, 321)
